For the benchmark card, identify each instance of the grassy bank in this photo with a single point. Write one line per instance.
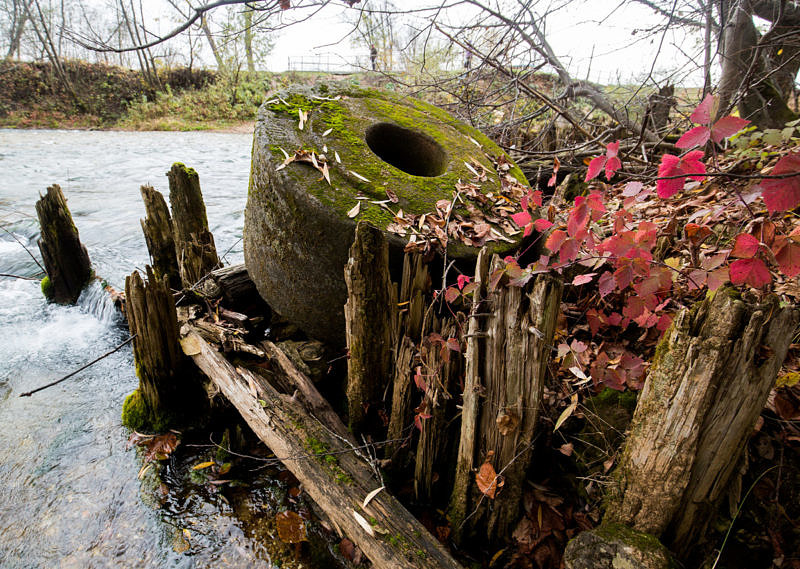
(101, 96)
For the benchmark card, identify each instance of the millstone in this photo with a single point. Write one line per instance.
(378, 147)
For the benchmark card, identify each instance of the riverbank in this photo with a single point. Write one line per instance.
(91, 96)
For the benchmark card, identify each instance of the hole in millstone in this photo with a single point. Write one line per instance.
(412, 152)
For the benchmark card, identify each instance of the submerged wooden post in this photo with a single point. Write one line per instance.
(159, 236)
(153, 322)
(65, 258)
(370, 315)
(710, 379)
(194, 243)
(513, 361)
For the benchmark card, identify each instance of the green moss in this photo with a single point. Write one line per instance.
(641, 541)
(135, 413)
(47, 288)
(321, 450)
(138, 416)
(190, 172)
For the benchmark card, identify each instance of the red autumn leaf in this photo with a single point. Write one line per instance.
(578, 216)
(451, 294)
(555, 240)
(702, 113)
(583, 279)
(696, 136)
(750, 271)
(595, 203)
(462, 280)
(595, 167)
(782, 194)
(632, 189)
(522, 218)
(419, 380)
(418, 418)
(285, 4)
(612, 161)
(788, 257)
(745, 246)
(663, 322)
(542, 224)
(717, 278)
(453, 344)
(672, 166)
(606, 283)
(727, 126)
(556, 165)
(568, 251)
(488, 481)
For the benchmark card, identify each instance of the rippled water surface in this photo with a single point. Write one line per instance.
(69, 495)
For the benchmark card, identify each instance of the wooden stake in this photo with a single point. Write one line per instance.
(194, 243)
(709, 381)
(160, 237)
(370, 314)
(65, 257)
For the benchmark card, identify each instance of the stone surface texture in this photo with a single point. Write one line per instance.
(616, 546)
(297, 229)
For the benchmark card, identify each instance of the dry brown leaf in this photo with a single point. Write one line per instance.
(506, 422)
(291, 527)
(488, 481)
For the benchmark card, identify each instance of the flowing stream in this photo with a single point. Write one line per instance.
(69, 493)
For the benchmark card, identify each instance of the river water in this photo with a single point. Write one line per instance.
(69, 493)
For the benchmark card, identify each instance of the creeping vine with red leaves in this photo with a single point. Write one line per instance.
(599, 241)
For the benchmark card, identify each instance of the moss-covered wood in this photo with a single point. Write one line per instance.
(298, 425)
(370, 315)
(160, 237)
(153, 323)
(194, 243)
(65, 258)
(517, 340)
(709, 381)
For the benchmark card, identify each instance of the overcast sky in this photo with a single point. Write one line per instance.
(596, 39)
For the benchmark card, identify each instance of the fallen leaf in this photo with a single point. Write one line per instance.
(291, 527)
(488, 481)
(364, 524)
(203, 465)
(354, 211)
(371, 495)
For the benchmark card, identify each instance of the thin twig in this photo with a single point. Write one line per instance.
(29, 393)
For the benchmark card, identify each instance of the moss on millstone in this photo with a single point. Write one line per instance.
(297, 229)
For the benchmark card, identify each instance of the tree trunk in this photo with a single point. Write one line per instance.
(746, 78)
(709, 381)
(248, 39)
(317, 448)
(159, 236)
(65, 258)
(370, 315)
(194, 243)
(211, 43)
(153, 322)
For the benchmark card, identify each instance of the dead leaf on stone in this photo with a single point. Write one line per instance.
(354, 211)
(392, 196)
(191, 345)
(350, 551)
(488, 481)
(291, 527)
(506, 422)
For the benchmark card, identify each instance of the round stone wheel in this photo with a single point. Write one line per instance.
(299, 227)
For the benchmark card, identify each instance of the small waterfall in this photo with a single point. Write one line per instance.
(95, 300)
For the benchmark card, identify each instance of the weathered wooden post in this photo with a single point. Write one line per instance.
(370, 315)
(65, 258)
(512, 367)
(711, 376)
(194, 243)
(159, 236)
(159, 361)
